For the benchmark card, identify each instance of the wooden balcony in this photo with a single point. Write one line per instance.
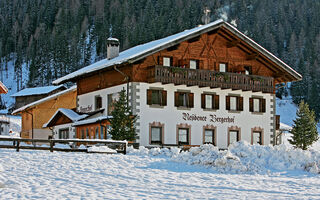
(207, 78)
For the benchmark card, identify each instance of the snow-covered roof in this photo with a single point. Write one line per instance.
(73, 88)
(91, 121)
(285, 127)
(73, 116)
(3, 88)
(141, 51)
(37, 90)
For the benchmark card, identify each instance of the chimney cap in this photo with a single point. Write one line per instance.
(113, 41)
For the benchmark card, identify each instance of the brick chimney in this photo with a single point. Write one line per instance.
(112, 48)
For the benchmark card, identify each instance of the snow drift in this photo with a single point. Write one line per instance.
(242, 158)
(2, 179)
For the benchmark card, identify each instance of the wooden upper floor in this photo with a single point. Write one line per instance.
(214, 56)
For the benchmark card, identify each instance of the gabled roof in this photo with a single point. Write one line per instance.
(72, 115)
(37, 90)
(3, 88)
(71, 89)
(141, 51)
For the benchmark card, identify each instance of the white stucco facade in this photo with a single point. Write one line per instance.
(171, 116)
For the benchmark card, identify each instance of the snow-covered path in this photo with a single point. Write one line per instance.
(45, 175)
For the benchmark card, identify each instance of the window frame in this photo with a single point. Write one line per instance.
(188, 97)
(170, 61)
(261, 104)
(215, 104)
(257, 130)
(156, 125)
(225, 67)
(97, 105)
(214, 135)
(183, 127)
(236, 129)
(162, 97)
(196, 62)
(239, 103)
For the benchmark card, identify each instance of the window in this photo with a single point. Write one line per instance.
(257, 105)
(183, 99)
(97, 133)
(156, 135)
(156, 97)
(234, 136)
(222, 67)
(247, 70)
(234, 103)
(209, 101)
(194, 64)
(112, 98)
(98, 102)
(209, 136)
(108, 136)
(101, 132)
(82, 134)
(167, 61)
(183, 136)
(256, 137)
(87, 131)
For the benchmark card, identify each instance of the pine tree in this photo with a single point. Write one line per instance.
(304, 131)
(123, 120)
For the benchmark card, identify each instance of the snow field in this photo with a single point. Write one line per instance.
(140, 175)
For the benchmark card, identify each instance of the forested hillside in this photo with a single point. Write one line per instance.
(56, 37)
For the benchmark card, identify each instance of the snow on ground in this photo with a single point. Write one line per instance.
(148, 174)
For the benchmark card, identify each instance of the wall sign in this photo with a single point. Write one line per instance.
(86, 109)
(211, 118)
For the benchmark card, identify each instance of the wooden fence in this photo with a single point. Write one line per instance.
(119, 146)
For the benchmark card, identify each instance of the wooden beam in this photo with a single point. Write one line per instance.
(252, 56)
(233, 43)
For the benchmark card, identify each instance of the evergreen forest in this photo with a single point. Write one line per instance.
(55, 37)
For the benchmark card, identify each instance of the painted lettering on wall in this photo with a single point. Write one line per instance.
(212, 118)
(86, 109)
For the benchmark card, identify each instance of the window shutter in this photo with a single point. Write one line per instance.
(190, 100)
(262, 105)
(216, 102)
(171, 61)
(251, 104)
(164, 98)
(203, 101)
(240, 104)
(149, 97)
(176, 99)
(227, 102)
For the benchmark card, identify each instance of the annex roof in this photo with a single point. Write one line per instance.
(141, 51)
(72, 115)
(91, 121)
(73, 88)
(37, 90)
(3, 88)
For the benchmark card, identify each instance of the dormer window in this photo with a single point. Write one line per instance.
(167, 61)
(222, 67)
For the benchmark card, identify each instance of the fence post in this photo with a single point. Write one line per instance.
(125, 149)
(51, 146)
(18, 145)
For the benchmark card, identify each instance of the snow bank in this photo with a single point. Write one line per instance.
(242, 158)
(101, 149)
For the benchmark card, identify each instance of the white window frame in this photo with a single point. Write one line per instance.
(212, 136)
(160, 135)
(222, 67)
(193, 64)
(167, 61)
(233, 136)
(208, 101)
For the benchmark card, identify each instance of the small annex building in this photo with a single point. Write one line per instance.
(29, 95)
(35, 114)
(67, 124)
(210, 84)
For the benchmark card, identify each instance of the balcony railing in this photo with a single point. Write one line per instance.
(213, 79)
